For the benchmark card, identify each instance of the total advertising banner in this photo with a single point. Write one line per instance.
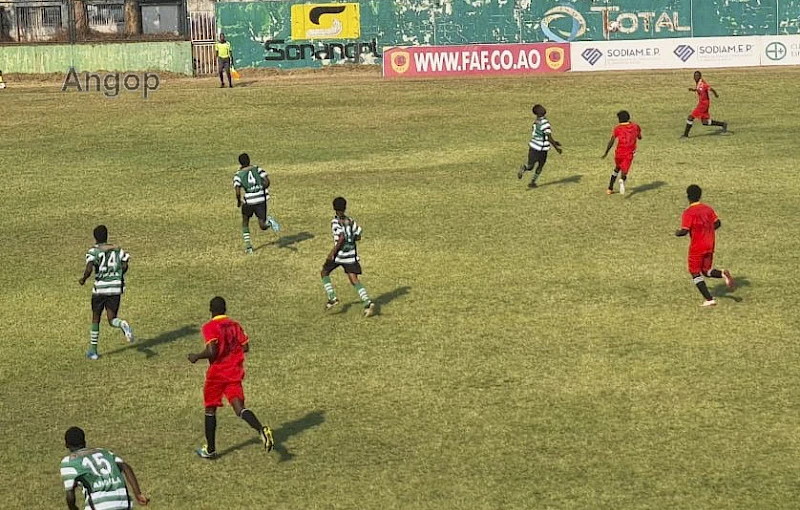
(475, 60)
(667, 54)
(780, 50)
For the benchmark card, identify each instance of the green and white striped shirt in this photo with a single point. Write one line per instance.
(250, 180)
(96, 471)
(539, 137)
(107, 260)
(348, 228)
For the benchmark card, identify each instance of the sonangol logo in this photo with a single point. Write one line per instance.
(400, 60)
(684, 52)
(591, 55)
(577, 29)
(775, 51)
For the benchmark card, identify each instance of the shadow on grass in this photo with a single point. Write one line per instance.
(145, 346)
(572, 179)
(717, 132)
(282, 434)
(289, 241)
(380, 301)
(646, 187)
(721, 290)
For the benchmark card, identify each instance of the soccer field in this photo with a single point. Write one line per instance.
(533, 348)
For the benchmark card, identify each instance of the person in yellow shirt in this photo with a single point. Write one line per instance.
(224, 54)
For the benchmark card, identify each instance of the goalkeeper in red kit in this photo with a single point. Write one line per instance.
(226, 345)
(701, 223)
(626, 134)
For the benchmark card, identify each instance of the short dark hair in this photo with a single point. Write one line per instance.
(217, 306)
(339, 204)
(244, 159)
(75, 438)
(100, 234)
(694, 193)
(698, 73)
(623, 116)
(538, 110)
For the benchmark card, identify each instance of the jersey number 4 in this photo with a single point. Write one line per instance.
(251, 178)
(98, 464)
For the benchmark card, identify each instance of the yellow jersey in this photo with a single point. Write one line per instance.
(223, 49)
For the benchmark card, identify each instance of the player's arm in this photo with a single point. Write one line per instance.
(554, 143)
(209, 353)
(238, 191)
(717, 224)
(713, 92)
(336, 247)
(72, 501)
(610, 144)
(130, 476)
(265, 180)
(87, 272)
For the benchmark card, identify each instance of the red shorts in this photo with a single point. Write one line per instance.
(213, 391)
(623, 162)
(701, 112)
(701, 263)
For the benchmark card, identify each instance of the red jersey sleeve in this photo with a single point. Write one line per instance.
(243, 339)
(210, 332)
(638, 131)
(615, 133)
(686, 220)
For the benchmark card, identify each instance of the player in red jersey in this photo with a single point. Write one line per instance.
(703, 103)
(701, 223)
(226, 345)
(627, 134)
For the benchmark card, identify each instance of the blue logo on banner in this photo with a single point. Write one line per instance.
(684, 52)
(591, 55)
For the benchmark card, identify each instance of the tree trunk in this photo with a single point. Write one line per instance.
(81, 19)
(133, 18)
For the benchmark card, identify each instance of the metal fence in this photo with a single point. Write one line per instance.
(47, 21)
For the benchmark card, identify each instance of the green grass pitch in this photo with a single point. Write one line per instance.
(534, 349)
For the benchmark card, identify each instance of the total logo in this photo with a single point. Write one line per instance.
(566, 24)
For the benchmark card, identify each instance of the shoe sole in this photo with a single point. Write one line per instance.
(728, 279)
(708, 304)
(269, 441)
(128, 332)
(93, 358)
(370, 310)
(200, 454)
(329, 306)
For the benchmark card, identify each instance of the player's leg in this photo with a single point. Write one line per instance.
(271, 221)
(711, 272)
(689, 124)
(353, 270)
(624, 167)
(696, 270)
(212, 399)
(718, 123)
(235, 395)
(527, 167)
(614, 176)
(325, 274)
(541, 159)
(112, 310)
(221, 67)
(261, 214)
(94, 334)
(228, 73)
(247, 212)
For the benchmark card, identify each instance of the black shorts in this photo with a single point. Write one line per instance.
(223, 64)
(260, 210)
(330, 265)
(106, 302)
(535, 156)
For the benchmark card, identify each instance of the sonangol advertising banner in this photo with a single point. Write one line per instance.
(475, 60)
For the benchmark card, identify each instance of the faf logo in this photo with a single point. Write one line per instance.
(775, 51)
(401, 60)
(558, 34)
(684, 52)
(325, 21)
(591, 55)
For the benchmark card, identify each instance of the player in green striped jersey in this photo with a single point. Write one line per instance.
(101, 474)
(255, 183)
(346, 232)
(109, 264)
(539, 146)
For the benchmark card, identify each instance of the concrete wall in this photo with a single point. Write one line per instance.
(172, 56)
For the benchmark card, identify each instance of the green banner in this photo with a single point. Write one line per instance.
(261, 32)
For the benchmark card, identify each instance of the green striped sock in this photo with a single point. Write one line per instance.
(94, 336)
(116, 322)
(362, 293)
(326, 282)
(246, 234)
